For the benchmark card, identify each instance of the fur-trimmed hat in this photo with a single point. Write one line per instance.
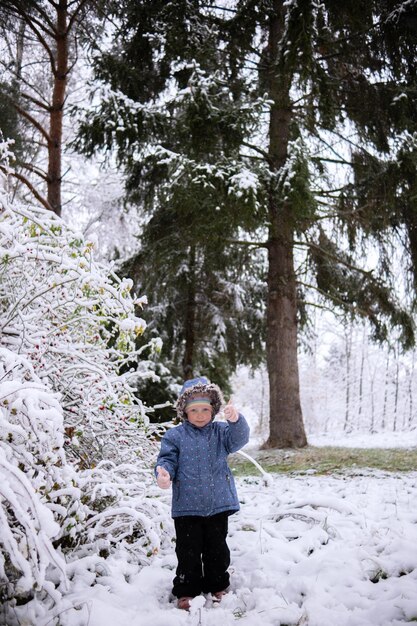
(202, 387)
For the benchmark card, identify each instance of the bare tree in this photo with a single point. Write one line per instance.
(386, 384)
(396, 386)
(348, 331)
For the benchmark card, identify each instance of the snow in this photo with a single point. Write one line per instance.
(317, 550)
(362, 439)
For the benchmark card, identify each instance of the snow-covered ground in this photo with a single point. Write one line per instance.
(357, 439)
(311, 550)
(339, 438)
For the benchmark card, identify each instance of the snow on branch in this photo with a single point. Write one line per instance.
(76, 320)
(75, 445)
(32, 466)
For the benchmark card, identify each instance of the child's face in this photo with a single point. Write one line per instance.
(199, 414)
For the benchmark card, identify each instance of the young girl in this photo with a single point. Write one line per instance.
(193, 458)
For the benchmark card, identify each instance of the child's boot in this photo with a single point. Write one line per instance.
(218, 595)
(184, 603)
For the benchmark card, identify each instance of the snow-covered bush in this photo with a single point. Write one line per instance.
(38, 498)
(76, 322)
(75, 445)
(121, 511)
(51, 514)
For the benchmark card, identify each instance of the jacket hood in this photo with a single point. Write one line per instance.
(199, 386)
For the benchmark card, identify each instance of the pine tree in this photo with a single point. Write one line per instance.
(39, 51)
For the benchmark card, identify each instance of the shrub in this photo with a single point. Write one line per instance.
(75, 441)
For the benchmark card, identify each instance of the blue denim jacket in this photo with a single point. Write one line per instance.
(196, 459)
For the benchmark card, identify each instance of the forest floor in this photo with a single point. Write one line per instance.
(328, 537)
(330, 549)
(325, 460)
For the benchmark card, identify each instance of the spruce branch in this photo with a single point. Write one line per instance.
(334, 257)
(252, 244)
(354, 308)
(265, 155)
(338, 161)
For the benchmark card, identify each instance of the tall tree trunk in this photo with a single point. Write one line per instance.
(19, 52)
(384, 408)
(286, 420)
(397, 385)
(362, 368)
(372, 383)
(60, 74)
(410, 390)
(190, 320)
(348, 344)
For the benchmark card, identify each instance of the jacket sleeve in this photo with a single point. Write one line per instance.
(168, 455)
(236, 435)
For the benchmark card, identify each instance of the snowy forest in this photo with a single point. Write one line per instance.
(224, 189)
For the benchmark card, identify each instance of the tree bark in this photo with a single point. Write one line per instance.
(19, 52)
(348, 344)
(286, 419)
(60, 74)
(190, 321)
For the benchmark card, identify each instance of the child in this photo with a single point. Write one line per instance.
(193, 457)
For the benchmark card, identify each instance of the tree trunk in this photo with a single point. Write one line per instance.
(286, 420)
(19, 52)
(397, 385)
(384, 409)
(190, 321)
(410, 390)
(60, 73)
(372, 384)
(348, 344)
(362, 368)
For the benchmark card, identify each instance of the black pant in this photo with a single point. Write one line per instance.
(203, 555)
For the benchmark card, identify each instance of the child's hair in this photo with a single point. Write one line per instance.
(199, 386)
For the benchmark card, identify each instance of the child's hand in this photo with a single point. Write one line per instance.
(230, 413)
(163, 479)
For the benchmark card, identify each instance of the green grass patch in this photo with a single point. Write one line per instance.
(326, 460)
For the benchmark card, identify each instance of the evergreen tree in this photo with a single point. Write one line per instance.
(334, 167)
(328, 69)
(211, 316)
(183, 163)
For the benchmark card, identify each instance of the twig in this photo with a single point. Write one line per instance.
(267, 477)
